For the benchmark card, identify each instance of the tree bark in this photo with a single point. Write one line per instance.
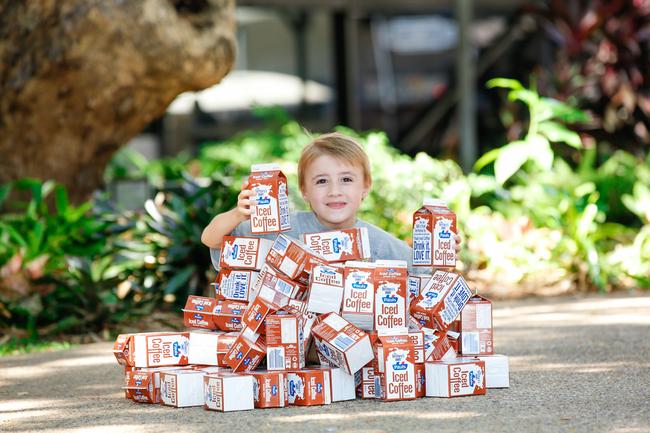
(79, 78)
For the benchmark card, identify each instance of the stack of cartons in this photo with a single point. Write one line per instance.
(378, 330)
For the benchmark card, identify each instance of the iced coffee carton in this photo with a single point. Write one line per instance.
(365, 381)
(415, 283)
(228, 392)
(243, 252)
(417, 338)
(359, 294)
(341, 343)
(152, 349)
(256, 313)
(342, 385)
(270, 213)
(289, 256)
(270, 388)
(284, 342)
(420, 380)
(312, 261)
(227, 315)
(340, 245)
(140, 386)
(309, 387)
(276, 288)
(198, 312)
(497, 372)
(209, 348)
(441, 300)
(395, 375)
(326, 290)
(454, 338)
(476, 327)
(244, 355)
(455, 377)
(236, 284)
(434, 226)
(390, 295)
(181, 388)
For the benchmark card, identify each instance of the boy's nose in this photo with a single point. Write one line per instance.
(334, 189)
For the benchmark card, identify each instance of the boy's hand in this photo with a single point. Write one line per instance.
(244, 203)
(457, 242)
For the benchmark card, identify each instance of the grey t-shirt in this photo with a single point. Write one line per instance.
(383, 245)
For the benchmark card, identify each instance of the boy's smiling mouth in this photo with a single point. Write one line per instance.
(336, 204)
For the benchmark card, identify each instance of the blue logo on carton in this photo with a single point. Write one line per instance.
(336, 246)
(198, 316)
(292, 388)
(359, 285)
(247, 360)
(237, 312)
(258, 317)
(138, 383)
(235, 251)
(319, 387)
(200, 307)
(176, 349)
(235, 320)
(400, 365)
(274, 389)
(239, 355)
(431, 295)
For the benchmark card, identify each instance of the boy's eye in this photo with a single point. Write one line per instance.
(320, 181)
(347, 179)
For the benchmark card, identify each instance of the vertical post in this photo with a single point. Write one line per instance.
(466, 82)
(352, 63)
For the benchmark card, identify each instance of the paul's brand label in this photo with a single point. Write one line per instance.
(227, 392)
(309, 387)
(454, 378)
(244, 355)
(340, 245)
(395, 375)
(476, 327)
(243, 252)
(198, 312)
(228, 315)
(390, 294)
(441, 300)
(236, 285)
(270, 213)
(341, 343)
(270, 389)
(434, 226)
(359, 294)
(289, 256)
(326, 290)
(284, 342)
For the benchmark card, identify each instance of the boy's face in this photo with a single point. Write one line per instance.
(334, 191)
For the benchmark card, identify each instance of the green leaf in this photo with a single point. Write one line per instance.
(540, 151)
(5, 190)
(61, 200)
(13, 233)
(560, 134)
(529, 97)
(564, 112)
(504, 83)
(510, 159)
(182, 277)
(35, 237)
(487, 158)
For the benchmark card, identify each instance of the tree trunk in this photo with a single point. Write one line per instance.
(79, 78)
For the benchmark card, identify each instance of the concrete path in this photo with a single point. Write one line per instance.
(577, 365)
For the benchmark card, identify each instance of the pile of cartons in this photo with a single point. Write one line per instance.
(315, 321)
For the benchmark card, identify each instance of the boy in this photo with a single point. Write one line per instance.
(334, 178)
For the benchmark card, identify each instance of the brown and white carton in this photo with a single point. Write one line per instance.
(417, 338)
(390, 295)
(309, 387)
(236, 284)
(152, 349)
(434, 226)
(454, 338)
(270, 213)
(455, 377)
(395, 374)
(365, 381)
(437, 346)
(257, 311)
(326, 290)
(340, 245)
(285, 347)
(243, 252)
(359, 294)
(270, 388)
(182, 388)
(140, 386)
(198, 312)
(415, 283)
(244, 355)
(441, 300)
(420, 380)
(228, 315)
(210, 348)
(276, 288)
(476, 327)
(341, 343)
(228, 392)
(312, 261)
(289, 256)
(342, 384)
(497, 372)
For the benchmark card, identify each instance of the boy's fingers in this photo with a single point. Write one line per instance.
(245, 193)
(246, 202)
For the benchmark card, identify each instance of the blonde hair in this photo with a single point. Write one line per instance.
(338, 146)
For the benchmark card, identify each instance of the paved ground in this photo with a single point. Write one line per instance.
(577, 365)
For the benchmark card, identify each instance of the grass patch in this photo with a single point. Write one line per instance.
(19, 346)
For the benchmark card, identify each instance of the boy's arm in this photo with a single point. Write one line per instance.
(224, 223)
